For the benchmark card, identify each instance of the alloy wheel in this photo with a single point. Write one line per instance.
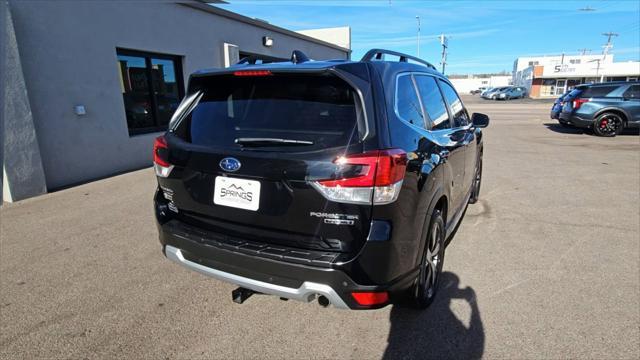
(431, 271)
(608, 125)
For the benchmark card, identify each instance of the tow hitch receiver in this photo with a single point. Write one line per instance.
(241, 294)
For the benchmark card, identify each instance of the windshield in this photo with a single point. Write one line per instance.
(317, 111)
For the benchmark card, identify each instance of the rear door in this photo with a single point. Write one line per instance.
(247, 155)
(463, 134)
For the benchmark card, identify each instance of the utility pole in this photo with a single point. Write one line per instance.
(608, 45)
(584, 51)
(418, 18)
(444, 41)
(598, 68)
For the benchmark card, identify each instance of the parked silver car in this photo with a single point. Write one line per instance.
(491, 93)
(511, 92)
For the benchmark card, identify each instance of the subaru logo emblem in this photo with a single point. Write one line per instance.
(230, 164)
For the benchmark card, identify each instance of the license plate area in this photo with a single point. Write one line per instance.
(237, 193)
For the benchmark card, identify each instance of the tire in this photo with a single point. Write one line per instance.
(608, 124)
(428, 280)
(477, 182)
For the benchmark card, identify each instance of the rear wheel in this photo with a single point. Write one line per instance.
(477, 181)
(431, 265)
(608, 124)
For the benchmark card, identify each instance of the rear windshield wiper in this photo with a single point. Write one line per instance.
(271, 142)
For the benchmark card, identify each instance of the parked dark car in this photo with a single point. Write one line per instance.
(339, 180)
(556, 108)
(479, 90)
(607, 108)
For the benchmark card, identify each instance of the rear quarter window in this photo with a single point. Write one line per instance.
(407, 103)
(597, 91)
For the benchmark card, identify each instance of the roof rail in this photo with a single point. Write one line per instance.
(377, 55)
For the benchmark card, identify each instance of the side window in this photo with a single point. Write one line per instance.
(460, 116)
(598, 91)
(433, 103)
(407, 103)
(633, 92)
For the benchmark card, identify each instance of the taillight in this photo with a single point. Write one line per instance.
(578, 102)
(370, 298)
(161, 157)
(252, 73)
(371, 178)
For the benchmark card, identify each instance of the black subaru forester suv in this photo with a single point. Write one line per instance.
(336, 180)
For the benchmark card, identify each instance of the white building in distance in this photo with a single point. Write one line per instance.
(552, 76)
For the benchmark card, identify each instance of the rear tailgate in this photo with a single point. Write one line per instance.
(246, 155)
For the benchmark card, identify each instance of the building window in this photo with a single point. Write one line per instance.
(533, 63)
(152, 87)
(574, 61)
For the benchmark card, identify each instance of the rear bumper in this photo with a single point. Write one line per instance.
(290, 278)
(306, 292)
(575, 120)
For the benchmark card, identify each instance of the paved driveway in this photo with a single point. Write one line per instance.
(545, 265)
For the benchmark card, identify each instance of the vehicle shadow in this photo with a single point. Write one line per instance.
(437, 332)
(564, 129)
(577, 131)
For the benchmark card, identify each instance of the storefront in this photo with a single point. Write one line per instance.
(552, 76)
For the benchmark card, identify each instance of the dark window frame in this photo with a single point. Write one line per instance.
(148, 55)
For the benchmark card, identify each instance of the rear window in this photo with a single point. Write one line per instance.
(317, 110)
(597, 91)
(573, 93)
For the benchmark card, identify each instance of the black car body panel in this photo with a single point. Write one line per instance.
(296, 235)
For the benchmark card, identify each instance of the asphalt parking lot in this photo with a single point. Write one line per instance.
(546, 265)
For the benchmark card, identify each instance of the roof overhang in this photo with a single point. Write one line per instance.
(204, 6)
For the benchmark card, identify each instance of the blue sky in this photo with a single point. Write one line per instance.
(486, 36)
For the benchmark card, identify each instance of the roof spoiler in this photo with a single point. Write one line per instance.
(376, 54)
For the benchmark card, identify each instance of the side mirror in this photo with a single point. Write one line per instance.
(480, 120)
